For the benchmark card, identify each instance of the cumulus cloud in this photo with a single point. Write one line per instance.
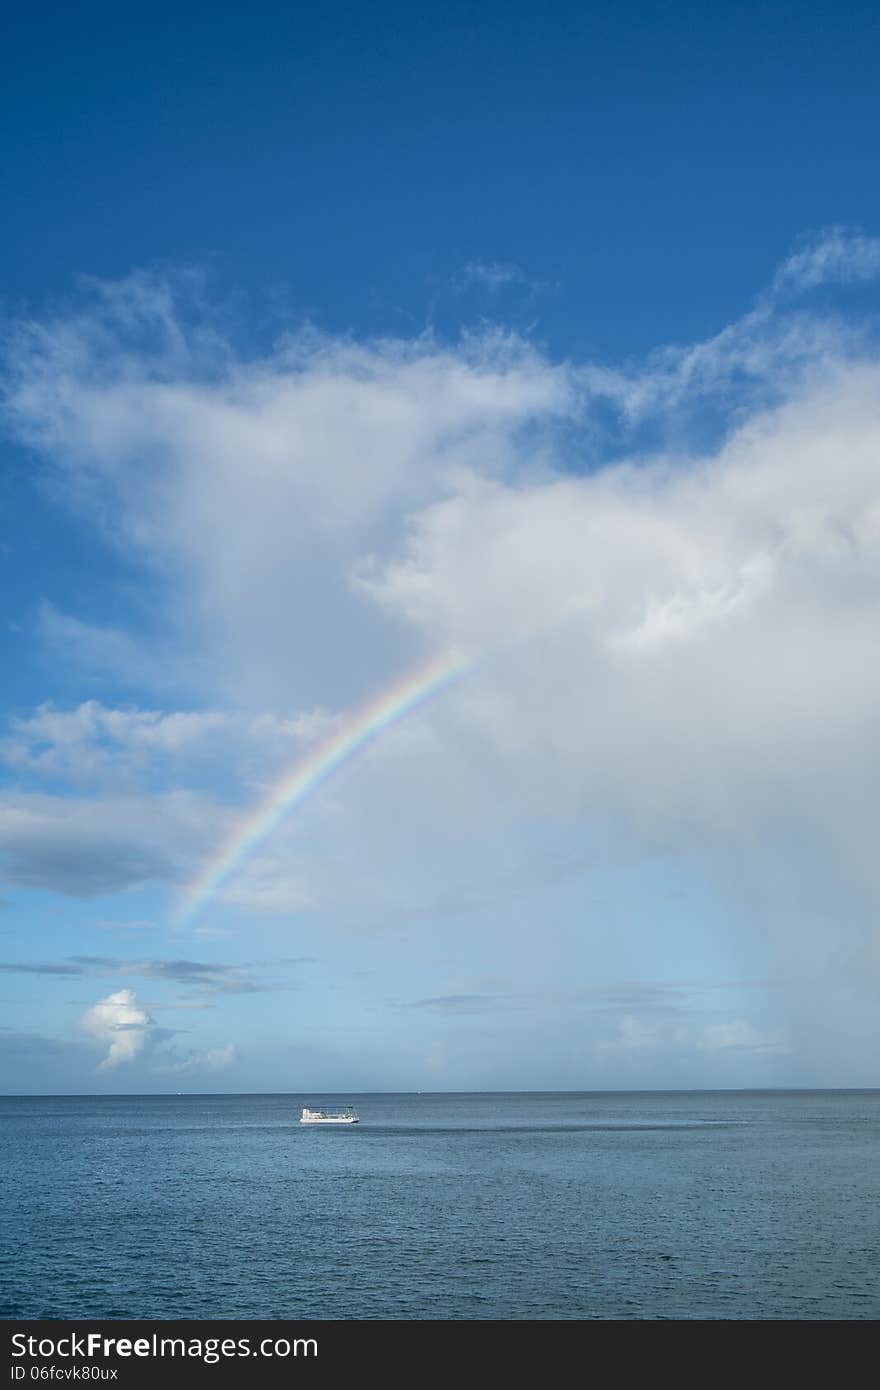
(95, 743)
(83, 743)
(253, 485)
(119, 1024)
(667, 573)
(701, 656)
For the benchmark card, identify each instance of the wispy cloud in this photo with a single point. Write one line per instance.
(493, 276)
(217, 979)
(639, 1035)
(206, 1059)
(125, 926)
(62, 969)
(838, 256)
(740, 1035)
(221, 979)
(458, 1004)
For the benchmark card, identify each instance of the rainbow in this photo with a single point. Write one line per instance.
(309, 772)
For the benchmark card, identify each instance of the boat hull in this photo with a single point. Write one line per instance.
(347, 1115)
(346, 1120)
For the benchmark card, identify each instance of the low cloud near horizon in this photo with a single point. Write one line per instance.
(119, 1024)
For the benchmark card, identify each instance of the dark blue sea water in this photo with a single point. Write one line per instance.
(514, 1206)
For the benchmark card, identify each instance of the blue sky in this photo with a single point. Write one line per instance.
(336, 339)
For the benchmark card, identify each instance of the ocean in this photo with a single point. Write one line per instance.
(681, 1205)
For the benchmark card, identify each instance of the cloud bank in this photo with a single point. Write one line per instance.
(667, 573)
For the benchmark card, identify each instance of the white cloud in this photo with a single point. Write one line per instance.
(126, 1029)
(837, 256)
(253, 487)
(119, 1024)
(690, 650)
(94, 744)
(92, 740)
(670, 573)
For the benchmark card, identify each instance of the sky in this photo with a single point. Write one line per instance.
(440, 495)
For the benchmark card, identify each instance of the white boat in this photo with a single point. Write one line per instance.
(345, 1115)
